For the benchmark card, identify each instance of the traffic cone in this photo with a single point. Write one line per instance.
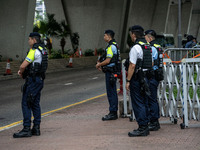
(95, 52)
(80, 53)
(8, 70)
(77, 53)
(70, 62)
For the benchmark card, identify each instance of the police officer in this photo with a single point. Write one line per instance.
(107, 64)
(33, 70)
(140, 59)
(153, 105)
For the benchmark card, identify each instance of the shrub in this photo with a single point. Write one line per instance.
(89, 52)
(55, 54)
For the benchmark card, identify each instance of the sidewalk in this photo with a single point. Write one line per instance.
(80, 128)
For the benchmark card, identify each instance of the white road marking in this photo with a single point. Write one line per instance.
(68, 83)
(95, 78)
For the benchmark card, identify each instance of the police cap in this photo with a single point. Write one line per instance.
(110, 32)
(32, 34)
(136, 28)
(151, 32)
(190, 37)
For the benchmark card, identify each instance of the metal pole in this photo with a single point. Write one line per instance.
(124, 88)
(185, 92)
(179, 25)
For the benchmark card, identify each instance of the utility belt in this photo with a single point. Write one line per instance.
(34, 75)
(108, 69)
(149, 74)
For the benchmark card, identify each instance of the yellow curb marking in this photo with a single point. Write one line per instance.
(49, 112)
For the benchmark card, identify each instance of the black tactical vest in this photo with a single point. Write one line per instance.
(159, 60)
(39, 69)
(146, 62)
(115, 59)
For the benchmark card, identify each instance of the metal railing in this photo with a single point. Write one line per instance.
(179, 92)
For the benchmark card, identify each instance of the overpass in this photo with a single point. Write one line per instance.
(90, 18)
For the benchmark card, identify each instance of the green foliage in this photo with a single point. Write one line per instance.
(89, 52)
(49, 26)
(56, 54)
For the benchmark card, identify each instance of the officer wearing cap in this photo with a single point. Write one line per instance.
(107, 64)
(133, 83)
(190, 42)
(153, 105)
(33, 71)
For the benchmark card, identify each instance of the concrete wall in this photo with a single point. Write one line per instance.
(90, 18)
(160, 16)
(16, 22)
(142, 13)
(194, 26)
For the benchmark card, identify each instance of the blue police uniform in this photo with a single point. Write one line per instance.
(154, 114)
(111, 89)
(139, 102)
(32, 92)
(34, 74)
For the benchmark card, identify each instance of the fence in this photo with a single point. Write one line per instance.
(179, 92)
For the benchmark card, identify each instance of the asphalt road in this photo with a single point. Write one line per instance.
(60, 89)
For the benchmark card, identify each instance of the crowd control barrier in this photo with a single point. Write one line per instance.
(179, 92)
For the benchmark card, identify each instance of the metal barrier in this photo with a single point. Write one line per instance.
(179, 92)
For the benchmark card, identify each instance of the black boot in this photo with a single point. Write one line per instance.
(25, 132)
(111, 116)
(141, 131)
(154, 126)
(36, 130)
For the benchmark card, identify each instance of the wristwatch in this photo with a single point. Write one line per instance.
(127, 80)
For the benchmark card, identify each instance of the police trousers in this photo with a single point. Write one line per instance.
(111, 92)
(139, 103)
(154, 112)
(32, 89)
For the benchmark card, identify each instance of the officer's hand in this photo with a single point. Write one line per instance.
(19, 73)
(128, 86)
(97, 66)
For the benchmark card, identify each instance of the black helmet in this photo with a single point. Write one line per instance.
(34, 34)
(136, 28)
(110, 32)
(151, 32)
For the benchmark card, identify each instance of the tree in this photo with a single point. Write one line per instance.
(62, 32)
(48, 28)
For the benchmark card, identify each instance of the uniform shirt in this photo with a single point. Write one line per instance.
(154, 56)
(34, 55)
(135, 53)
(110, 51)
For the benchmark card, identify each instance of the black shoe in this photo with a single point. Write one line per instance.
(36, 130)
(154, 126)
(141, 131)
(110, 116)
(25, 132)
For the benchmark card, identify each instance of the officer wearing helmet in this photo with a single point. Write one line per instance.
(156, 76)
(33, 71)
(108, 63)
(140, 61)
